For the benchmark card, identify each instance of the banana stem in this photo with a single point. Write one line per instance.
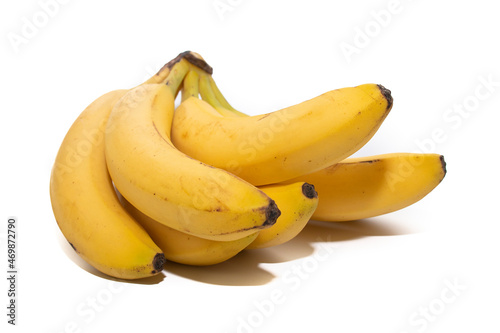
(164, 72)
(194, 60)
(190, 86)
(176, 76)
(221, 100)
(206, 91)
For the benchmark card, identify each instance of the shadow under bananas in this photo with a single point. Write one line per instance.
(87, 267)
(319, 231)
(241, 270)
(244, 269)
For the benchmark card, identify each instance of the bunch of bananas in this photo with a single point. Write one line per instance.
(138, 180)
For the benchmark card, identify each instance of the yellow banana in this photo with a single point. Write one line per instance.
(363, 187)
(85, 204)
(297, 202)
(187, 249)
(358, 188)
(284, 144)
(169, 186)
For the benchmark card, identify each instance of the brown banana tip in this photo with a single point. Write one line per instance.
(309, 191)
(195, 59)
(172, 62)
(387, 94)
(192, 58)
(443, 164)
(272, 214)
(158, 262)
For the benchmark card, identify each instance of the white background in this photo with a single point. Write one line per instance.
(439, 256)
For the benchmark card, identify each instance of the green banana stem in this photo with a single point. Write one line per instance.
(176, 76)
(206, 91)
(190, 86)
(217, 93)
(222, 105)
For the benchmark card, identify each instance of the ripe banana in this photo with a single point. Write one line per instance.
(297, 202)
(169, 186)
(85, 204)
(363, 187)
(284, 144)
(358, 188)
(187, 249)
(179, 195)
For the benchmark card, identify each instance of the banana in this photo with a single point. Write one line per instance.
(297, 201)
(85, 204)
(284, 144)
(364, 187)
(166, 184)
(187, 249)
